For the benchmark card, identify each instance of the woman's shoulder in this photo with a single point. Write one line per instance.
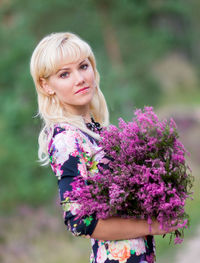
(68, 138)
(65, 132)
(69, 130)
(64, 128)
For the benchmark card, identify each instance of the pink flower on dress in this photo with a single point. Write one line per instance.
(65, 145)
(101, 254)
(119, 250)
(138, 245)
(82, 169)
(74, 207)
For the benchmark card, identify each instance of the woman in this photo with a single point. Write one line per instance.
(73, 110)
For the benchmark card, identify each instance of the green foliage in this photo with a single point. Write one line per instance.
(143, 31)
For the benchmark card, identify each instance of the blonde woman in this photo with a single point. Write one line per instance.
(73, 110)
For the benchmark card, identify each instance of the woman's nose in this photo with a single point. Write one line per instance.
(79, 79)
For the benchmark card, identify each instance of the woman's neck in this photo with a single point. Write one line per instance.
(81, 111)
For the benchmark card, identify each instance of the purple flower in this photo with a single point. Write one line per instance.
(146, 175)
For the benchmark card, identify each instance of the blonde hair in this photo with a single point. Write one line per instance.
(44, 62)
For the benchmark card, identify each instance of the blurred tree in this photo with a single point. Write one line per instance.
(127, 36)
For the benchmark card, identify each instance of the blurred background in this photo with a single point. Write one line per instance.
(148, 53)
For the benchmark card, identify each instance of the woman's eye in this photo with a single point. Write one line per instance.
(64, 75)
(84, 66)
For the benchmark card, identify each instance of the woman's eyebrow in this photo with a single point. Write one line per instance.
(69, 68)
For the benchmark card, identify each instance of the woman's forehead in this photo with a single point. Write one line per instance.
(69, 62)
(66, 62)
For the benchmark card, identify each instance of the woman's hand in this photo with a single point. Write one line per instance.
(155, 229)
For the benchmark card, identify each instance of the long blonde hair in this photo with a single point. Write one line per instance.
(44, 62)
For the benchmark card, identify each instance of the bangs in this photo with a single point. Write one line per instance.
(70, 51)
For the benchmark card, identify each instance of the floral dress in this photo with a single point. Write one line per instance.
(70, 151)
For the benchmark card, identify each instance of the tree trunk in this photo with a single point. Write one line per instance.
(109, 33)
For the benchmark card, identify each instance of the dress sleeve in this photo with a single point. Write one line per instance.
(68, 152)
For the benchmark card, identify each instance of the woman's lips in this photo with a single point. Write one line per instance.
(80, 90)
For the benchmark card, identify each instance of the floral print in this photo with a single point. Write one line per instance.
(138, 246)
(101, 254)
(119, 250)
(136, 250)
(70, 152)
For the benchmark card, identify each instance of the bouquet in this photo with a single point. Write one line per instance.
(143, 174)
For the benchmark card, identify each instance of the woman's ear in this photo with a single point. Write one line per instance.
(45, 86)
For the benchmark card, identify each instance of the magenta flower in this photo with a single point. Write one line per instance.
(146, 175)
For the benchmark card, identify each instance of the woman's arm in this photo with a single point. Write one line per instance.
(66, 152)
(115, 228)
(78, 227)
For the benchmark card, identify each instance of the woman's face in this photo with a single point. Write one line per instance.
(74, 85)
